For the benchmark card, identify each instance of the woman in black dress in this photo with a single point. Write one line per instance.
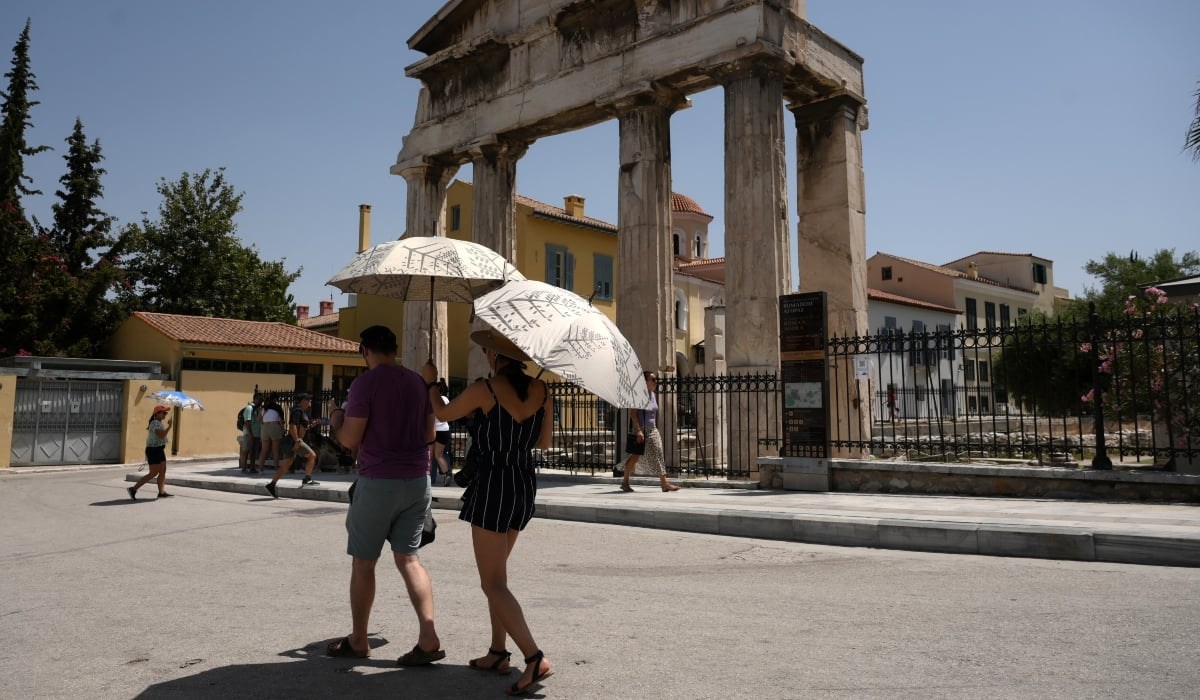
(517, 417)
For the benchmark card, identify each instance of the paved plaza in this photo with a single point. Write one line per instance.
(226, 593)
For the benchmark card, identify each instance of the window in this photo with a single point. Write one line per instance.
(675, 243)
(1040, 274)
(455, 217)
(983, 370)
(1021, 312)
(886, 273)
(681, 311)
(602, 267)
(560, 267)
(699, 246)
(945, 341)
(969, 370)
(890, 328)
(989, 315)
(1005, 316)
(972, 314)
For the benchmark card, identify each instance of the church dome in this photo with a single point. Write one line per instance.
(682, 202)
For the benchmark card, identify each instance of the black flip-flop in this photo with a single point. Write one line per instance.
(341, 649)
(420, 657)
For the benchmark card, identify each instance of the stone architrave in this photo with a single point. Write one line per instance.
(493, 211)
(832, 230)
(425, 216)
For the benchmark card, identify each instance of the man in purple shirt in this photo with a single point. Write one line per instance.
(389, 419)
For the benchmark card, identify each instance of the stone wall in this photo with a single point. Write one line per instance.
(874, 476)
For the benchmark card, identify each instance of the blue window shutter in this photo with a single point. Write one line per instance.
(569, 273)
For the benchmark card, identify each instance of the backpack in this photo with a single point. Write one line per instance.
(241, 419)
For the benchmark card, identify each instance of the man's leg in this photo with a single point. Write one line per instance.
(420, 592)
(362, 597)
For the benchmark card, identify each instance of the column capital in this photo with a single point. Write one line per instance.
(843, 104)
(644, 95)
(493, 147)
(774, 62)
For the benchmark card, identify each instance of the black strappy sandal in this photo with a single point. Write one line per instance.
(503, 654)
(536, 661)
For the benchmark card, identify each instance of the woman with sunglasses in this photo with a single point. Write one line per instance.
(156, 453)
(646, 430)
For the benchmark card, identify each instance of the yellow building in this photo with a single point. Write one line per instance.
(221, 362)
(565, 247)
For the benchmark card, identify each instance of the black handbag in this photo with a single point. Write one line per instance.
(464, 476)
(632, 446)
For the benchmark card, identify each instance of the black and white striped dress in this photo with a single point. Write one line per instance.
(501, 495)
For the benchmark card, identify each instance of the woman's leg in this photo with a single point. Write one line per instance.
(262, 457)
(162, 478)
(630, 467)
(491, 558)
(439, 454)
(151, 472)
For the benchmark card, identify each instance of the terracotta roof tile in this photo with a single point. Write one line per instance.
(251, 334)
(682, 202)
(880, 295)
(562, 215)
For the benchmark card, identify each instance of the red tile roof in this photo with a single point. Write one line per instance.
(561, 214)
(879, 295)
(682, 202)
(272, 335)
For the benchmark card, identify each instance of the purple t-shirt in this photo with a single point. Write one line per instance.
(396, 405)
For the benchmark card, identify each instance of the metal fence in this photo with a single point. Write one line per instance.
(1086, 390)
(711, 426)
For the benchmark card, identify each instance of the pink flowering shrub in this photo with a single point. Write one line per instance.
(1151, 364)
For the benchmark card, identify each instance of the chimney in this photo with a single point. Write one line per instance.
(573, 204)
(301, 312)
(364, 227)
(972, 270)
(326, 307)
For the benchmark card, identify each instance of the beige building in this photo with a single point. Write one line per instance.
(565, 247)
(221, 362)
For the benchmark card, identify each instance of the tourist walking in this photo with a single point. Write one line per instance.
(387, 420)
(645, 430)
(499, 501)
(156, 452)
(294, 446)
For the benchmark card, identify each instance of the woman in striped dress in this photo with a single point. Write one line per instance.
(517, 417)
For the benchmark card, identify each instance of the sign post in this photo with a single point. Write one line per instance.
(803, 362)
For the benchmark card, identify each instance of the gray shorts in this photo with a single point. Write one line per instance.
(387, 509)
(272, 431)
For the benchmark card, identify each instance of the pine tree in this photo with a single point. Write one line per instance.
(80, 264)
(20, 248)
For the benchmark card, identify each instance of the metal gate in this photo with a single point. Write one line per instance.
(67, 421)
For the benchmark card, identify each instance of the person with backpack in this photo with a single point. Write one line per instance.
(245, 421)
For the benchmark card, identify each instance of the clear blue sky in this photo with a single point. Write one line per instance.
(1051, 127)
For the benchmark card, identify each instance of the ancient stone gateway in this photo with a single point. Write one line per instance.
(502, 73)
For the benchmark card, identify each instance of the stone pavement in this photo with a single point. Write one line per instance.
(1135, 533)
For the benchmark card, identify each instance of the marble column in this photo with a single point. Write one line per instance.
(424, 216)
(493, 212)
(757, 250)
(645, 300)
(832, 230)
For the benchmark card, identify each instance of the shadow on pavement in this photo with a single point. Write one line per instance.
(318, 676)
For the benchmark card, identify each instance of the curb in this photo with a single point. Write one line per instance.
(909, 534)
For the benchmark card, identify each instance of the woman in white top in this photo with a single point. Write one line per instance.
(442, 439)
